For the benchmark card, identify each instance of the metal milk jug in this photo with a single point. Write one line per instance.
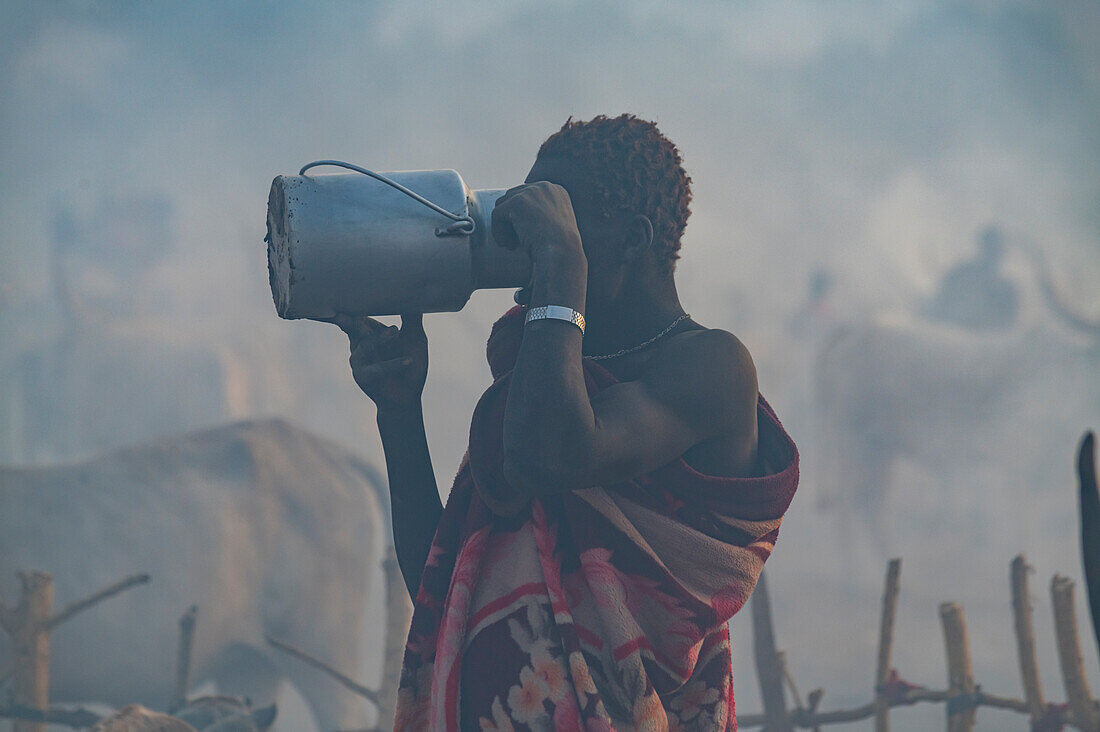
(366, 243)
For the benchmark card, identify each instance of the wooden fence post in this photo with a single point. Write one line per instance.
(886, 643)
(30, 646)
(1025, 638)
(1069, 654)
(1089, 508)
(29, 624)
(769, 669)
(961, 712)
(183, 659)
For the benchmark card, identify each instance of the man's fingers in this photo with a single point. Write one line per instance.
(357, 327)
(413, 322)
(502, 229)
(510, 194)
(383, 369)
(370, 347)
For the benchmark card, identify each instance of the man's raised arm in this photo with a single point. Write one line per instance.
(555, 438)
(390, 366)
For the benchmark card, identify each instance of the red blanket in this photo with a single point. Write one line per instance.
(597, 609)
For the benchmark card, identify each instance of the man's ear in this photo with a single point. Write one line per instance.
(639, 237)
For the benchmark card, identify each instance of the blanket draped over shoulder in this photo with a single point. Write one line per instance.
(596, 609)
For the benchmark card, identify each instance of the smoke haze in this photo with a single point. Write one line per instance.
(869, 140)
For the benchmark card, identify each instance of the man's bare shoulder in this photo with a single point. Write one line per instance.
(709, 375)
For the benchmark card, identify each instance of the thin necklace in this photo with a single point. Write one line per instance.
(640, 346)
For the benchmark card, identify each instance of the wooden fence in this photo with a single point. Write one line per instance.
(963, 696)
(29, 623)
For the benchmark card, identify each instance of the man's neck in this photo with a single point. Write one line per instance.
(637, 315)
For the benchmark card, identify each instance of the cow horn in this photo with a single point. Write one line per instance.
(1057, 302)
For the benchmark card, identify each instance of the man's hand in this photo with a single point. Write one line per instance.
(538, 217)
(389, 364)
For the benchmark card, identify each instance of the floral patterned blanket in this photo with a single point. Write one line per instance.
(597, 609)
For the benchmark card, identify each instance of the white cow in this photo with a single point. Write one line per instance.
(945, 397)
(267, 528)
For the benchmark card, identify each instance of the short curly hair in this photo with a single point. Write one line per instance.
(634, 169)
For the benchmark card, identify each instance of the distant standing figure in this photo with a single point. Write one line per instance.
(974, 294)
(816, 317)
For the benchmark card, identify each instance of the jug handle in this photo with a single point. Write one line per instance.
(462, 225)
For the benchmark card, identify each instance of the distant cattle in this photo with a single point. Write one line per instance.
(267, 528)
(945, 397)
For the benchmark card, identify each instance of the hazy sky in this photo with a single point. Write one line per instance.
(874, 139)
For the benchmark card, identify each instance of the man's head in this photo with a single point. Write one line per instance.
(629, 190)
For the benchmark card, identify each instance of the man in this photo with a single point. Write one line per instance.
(624, 481)
(974, 294)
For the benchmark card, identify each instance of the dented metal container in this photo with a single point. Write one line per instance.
(383, 244)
